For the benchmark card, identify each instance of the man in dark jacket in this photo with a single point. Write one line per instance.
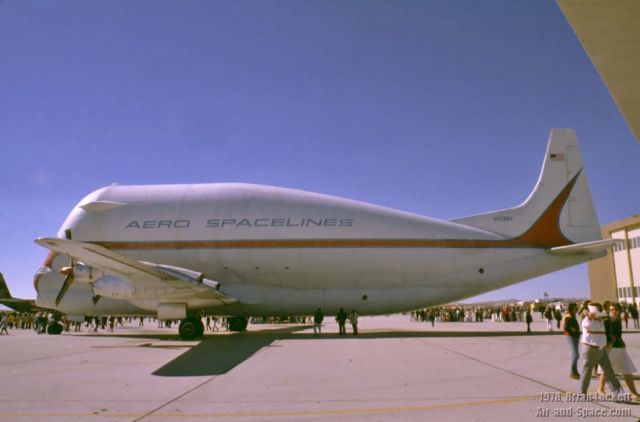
(572, 333)
(317, 321)
(341, 318)
(528, 319)
(558, 316)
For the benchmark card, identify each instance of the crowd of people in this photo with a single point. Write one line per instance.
(598, 329)
(627, 312)
(25, 321)
(593, 329)
(507, 313)
(40, 321)
(15, 320)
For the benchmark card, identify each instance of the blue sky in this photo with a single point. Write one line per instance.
(435, 107)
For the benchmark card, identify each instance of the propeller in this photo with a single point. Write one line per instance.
(68, 272)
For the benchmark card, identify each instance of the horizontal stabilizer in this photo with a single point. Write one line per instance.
(586, 247)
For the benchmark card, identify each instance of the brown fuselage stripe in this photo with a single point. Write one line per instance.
(318, 243)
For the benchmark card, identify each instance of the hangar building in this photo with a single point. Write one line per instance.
(616, 277)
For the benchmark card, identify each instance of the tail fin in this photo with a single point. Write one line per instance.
(559, 211)
(4, 290)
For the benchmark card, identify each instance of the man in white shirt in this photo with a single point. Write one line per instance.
(353, 318)
(594, 341)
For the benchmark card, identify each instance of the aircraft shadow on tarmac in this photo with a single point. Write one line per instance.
(212, 355)
(217, 354)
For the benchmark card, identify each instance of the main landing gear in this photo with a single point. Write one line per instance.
(237, 323)
(191, 328)
(54, 328)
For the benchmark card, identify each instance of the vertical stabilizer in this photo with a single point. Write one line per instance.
(559, 210)
(4, 290)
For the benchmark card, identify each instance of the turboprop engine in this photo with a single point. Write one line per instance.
(77, 271)
(81, 272)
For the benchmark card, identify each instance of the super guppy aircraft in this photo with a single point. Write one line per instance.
(178, 251)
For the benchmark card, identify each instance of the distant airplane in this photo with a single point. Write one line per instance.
(239, 250)
(19, 305)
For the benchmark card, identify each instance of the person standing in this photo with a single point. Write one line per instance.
(594, 340)
(318, 317)
(42, 323)
(583, 311)
(548, 315)
(528, 319)
(341, 318)
(353, 318)
(3, 324)
(633, 310)
(557, 314)
(572, 333)
(620, 360)
(625, 317)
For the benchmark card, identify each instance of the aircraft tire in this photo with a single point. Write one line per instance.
(54, 329)
(188, 329)
(237, 323)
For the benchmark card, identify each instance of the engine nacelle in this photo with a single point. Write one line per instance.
(82, 273)
(110, 286)
(117, 288)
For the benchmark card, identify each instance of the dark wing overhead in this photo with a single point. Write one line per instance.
(609, 32)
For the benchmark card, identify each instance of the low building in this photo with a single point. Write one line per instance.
(616, 277)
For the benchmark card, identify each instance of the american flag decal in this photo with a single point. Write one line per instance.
(556, 157)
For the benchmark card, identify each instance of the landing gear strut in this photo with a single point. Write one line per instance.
(237, 323)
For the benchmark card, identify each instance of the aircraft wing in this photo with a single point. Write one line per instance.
(609, 32)
(586, 247)
(140, 274)
(19, 305)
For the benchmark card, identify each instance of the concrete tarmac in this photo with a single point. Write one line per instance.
(395, 369)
